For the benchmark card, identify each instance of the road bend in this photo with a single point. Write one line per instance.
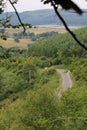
(66, 81)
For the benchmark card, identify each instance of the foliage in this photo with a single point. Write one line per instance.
(29, 84)
(17, 74)
(34, 37)
(42, 61)
(16, 40)
(46, 75)
(57, 46)
(27, 99)
(78, 68)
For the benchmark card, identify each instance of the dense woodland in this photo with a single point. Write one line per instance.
(28, 91)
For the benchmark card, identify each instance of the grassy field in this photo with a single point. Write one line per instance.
(36, 30)
(39, 30)
(23, 43)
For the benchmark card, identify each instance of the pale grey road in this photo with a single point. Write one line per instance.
(66, 81)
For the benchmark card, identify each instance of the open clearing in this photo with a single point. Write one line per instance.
(23, 43)
(39, 30)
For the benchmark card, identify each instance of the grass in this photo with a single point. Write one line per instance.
(36, 30)
(39, 30)
(23, 43)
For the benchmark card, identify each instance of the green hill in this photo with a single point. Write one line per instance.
(28, 91)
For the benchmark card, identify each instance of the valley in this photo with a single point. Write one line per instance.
(16, 38)
(34, 70)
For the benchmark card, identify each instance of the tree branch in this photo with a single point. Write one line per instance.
(18, 16)
(67, 28)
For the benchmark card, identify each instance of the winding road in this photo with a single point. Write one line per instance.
(66, 81)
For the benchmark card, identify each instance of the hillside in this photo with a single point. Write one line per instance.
(29, 85)
(48, 17)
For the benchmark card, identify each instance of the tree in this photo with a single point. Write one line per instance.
(16, 40)
(65, 4)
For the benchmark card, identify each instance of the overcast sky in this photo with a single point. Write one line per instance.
(27, 5)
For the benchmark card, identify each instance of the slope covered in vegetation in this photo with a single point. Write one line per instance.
(28, 89)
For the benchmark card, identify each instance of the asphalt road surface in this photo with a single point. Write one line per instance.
(66, 81)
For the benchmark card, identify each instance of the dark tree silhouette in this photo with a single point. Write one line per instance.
(12, 3)
(66, 4)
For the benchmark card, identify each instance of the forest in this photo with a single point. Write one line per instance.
(28, 91)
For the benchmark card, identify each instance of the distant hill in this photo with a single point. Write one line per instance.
(48, 17)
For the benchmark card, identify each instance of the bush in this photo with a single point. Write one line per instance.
(16, 40)
(44, 80)
(51, 71)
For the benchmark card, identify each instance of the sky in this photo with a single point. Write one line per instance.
(27, 5)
